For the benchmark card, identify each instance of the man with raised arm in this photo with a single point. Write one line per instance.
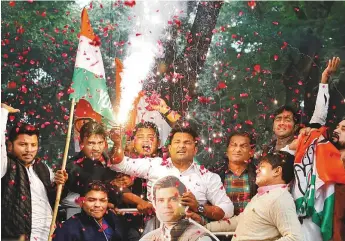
(286, 120)
(203, 186)
(28, 186)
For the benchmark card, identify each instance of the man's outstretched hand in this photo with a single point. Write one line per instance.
(332, 67)
(9, 108)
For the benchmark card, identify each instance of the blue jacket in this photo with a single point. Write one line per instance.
(82, 227)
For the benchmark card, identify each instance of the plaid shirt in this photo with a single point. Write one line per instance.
(238, 190)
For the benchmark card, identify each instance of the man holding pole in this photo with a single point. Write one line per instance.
(91, 164)
(28, 187)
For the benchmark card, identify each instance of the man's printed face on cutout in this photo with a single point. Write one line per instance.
(167, 204)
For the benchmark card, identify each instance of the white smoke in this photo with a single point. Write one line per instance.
(150, 20)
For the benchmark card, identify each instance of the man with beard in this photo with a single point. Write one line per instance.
(338, 138)
(28, 186)
(319, 183)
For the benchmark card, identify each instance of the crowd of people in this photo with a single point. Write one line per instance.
(273, 197)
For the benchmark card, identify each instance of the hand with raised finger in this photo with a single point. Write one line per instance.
(332, 67)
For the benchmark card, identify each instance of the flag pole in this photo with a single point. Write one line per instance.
(63, 167)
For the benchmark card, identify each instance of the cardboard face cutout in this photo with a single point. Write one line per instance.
(167, 193)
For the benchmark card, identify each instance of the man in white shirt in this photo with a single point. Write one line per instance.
(285, 121)
(203, 186)
(28, 187)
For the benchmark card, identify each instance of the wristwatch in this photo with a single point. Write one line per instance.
(201, 209)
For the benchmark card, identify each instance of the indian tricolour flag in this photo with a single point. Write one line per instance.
(317, 168)
(89, 83)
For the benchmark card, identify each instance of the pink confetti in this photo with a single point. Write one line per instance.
(222, 85)
(257, 68)
(20, 30)
(129, 3)
(177, 22)
(70, 90)
(252, 4)
(285, 44)
(204, 100)
(11, 85)
(24, 89)
(248, 122)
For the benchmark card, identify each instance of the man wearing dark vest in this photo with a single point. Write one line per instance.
(28, 187)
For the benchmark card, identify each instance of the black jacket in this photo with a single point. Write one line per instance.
(82, 227)
(82, 171)
(16, 196)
